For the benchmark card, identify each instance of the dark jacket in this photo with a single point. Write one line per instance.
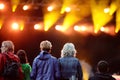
(102, 76)
(3, 62)
(70, 66)
(45, 67)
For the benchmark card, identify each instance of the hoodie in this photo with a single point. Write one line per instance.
(102, 76)
(45, 67)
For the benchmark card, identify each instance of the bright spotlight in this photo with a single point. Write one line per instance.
(106, 10)
(15, 26)
(2, 6)
(102, 29)
(76, 28)
(83, 28)
(25, 7)
(37, 27)
(50, 8)
(68, 9)
(58, 27)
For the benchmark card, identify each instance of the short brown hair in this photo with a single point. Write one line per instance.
(45, 45)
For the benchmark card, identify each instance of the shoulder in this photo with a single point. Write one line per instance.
(36, 58)
(53, 57)
(1, 55)
(26, 66)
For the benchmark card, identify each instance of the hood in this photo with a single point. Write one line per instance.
(11, 55)
(44, 55)
(103, 76)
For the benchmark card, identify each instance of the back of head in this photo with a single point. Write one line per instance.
(68, 50)
(45, 45)
(103, 66)
(22, 55)
(7, 46)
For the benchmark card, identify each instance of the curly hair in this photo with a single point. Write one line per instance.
(68, 50)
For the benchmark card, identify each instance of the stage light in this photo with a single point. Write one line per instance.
(25, 7)
(83, 28)
(106, 10)
(114, 6)
(2, 6)
(68, 9)
(15, 26)
(50, 8)
(38, 26)
(80, 28)
(102, 29)
(76, 28)
(100, 18)
(14, 4)
(58, 27)
(50, 19)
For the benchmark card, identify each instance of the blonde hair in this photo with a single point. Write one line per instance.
(45, 45)
(68, 50)
(7, 46)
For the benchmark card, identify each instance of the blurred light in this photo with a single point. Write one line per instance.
(76, 28)
(106, 10)
(102, 29)
(117, 77)
(50, 19)
(2, 6)
(37, 27)
(68, 9)
(50, 8)
(21, 23)
(15, 26)
(25, 7)
(14, 3)
(117, 29)
(58, 27)
(83, 28)
(113, 7)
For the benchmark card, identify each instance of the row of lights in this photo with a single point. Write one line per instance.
(79, 28)
(49, 8)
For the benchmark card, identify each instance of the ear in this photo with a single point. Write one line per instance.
(74, 55)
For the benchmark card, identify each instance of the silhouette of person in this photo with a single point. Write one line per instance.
(45, 66)
(26, 68)
(70, 66)
(102, 72)
(7, 53)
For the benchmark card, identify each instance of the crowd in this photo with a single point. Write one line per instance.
(45, 66)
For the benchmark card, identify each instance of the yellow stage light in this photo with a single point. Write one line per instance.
(114, 6)
(117, 21)
(50, 19)
(14, 4)
(100, 14)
